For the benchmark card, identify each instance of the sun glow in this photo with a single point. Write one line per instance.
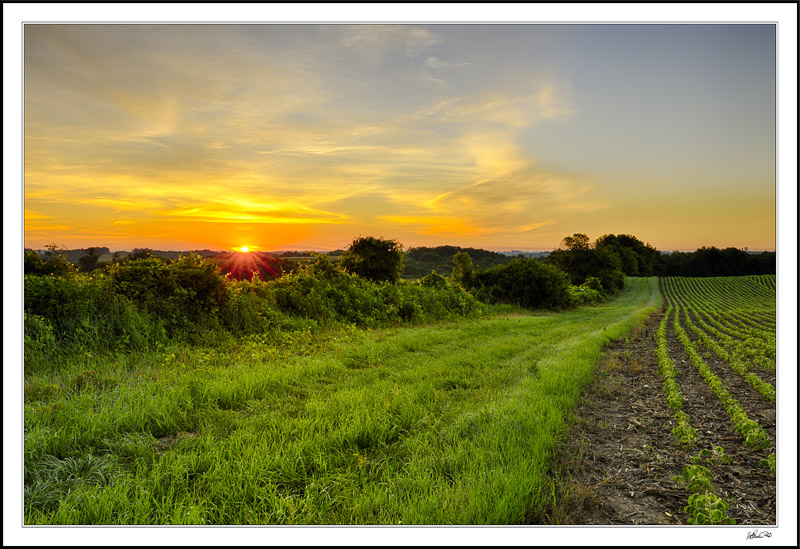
(244, 249)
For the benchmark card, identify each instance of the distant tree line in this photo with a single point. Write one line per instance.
(609, 259)
(422, 260)
(711, 261)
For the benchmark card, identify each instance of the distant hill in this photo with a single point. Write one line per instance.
(517, 253)
(419, 262)
(73, 255)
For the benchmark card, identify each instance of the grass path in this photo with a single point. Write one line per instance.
(445, 424)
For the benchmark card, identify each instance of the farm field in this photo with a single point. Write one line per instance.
(692, 393)
(447, 423)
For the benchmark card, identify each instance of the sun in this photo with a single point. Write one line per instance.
(244, 249)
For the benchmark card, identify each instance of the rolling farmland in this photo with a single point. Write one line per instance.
(702, 449)
(657, 406)
(452, 423)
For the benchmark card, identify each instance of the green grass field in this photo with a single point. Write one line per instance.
(449, 423)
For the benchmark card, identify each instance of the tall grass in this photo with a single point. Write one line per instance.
(447, 423)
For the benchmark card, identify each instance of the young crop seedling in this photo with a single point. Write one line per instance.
(704, 506)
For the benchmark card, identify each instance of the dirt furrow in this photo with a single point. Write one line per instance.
(757, 406)
(620, 456)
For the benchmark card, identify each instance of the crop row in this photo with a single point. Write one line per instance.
(755, 437)
(743, 331)
(686, 295)
(703, 505)
(734, 318)
(726, 293)
(733, 361)
(745, 351)
(684, 432)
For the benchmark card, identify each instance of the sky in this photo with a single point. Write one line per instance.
(305, 136)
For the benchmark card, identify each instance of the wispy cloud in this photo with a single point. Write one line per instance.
(374, 42)
(432, 68)
(521, 201)
(433, 63)
(514, 108)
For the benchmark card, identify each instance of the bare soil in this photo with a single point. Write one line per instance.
(618, 461)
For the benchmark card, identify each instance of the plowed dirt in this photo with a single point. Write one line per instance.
(620, 456)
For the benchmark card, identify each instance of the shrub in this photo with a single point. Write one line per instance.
(81, 313)
(53, 263)
(525, 282)
(434, 280)
(375, 259)
(322, 292)
(184, 292)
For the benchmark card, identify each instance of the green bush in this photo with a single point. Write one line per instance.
(434, 280)
(321, 291)
(53, 263)
(184, 293)
(81, 313)
(525, 282)
(375, 259)
(147, 302)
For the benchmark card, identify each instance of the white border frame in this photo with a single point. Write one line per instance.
(784, 14)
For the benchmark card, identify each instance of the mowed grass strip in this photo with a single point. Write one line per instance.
(445, 424)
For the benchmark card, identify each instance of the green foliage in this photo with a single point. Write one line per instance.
(76, 314)
(684, 432)
(434, 280)
(590, 292)
(769, 462)
(463, 270)
(326, 294)
(184, 292)
(580, 260)
(696, 477)
(712, 261)
(149, 301)
(419, 262)
(637, 258)
(525, 282)
(706, 509)
(715, 455)
(703, 505)
(376, 259)
(53, 263)
(89, 262)
(578, 241)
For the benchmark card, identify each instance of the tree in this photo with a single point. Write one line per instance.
(580, 260)
(578, 241)
(88, 263)
(376, 259)
(463, 272)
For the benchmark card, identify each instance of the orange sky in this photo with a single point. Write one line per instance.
(306, 136)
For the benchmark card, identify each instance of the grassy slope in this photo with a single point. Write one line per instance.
(446, 424)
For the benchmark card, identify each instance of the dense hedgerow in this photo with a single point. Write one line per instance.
(322, 292)
(148, 301)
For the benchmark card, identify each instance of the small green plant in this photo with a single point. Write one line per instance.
(769, 462)
(715, 456)
(707, 508)
(696, 477)
(704, 506)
